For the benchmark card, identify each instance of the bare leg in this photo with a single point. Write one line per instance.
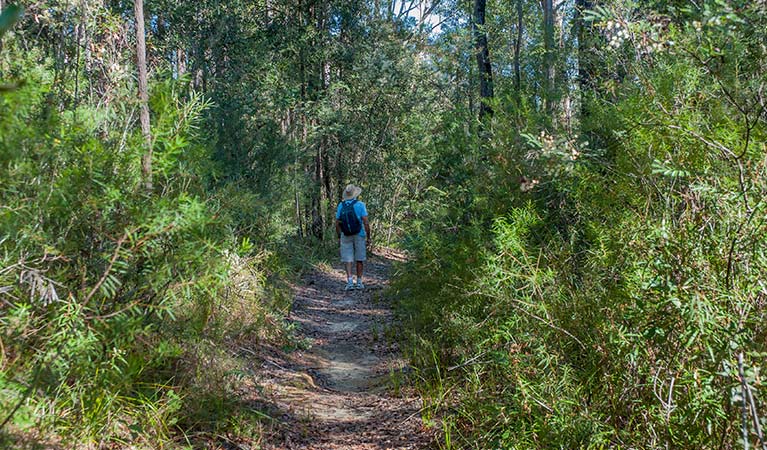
(348, 270)
(359, 269)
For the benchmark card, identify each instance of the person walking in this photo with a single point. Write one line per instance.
(353, 233)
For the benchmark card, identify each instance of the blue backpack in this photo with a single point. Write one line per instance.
(350, 223)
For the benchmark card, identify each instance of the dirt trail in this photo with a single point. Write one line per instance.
(343, 391)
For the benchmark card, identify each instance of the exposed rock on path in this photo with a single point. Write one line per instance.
(344, 390)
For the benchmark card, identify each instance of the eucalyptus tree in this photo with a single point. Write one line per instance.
(143, 94)
(548, 48)
(483, 59)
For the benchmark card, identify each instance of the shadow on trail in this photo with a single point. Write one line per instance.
(337, 392)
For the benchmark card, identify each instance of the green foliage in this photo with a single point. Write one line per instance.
(587, 265)
(593, 295)
(118, 305)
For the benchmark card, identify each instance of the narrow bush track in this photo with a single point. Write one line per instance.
(344, 389)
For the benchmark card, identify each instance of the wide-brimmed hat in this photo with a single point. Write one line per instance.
(351, 192)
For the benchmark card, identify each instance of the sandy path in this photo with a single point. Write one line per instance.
(344, 390)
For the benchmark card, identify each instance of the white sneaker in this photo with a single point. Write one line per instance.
(359, 285)
(349, 286)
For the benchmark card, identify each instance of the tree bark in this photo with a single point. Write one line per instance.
(318, 198)
(299, 220)
(318, 87)
(180, 62)
(143, 94)
(517, 53)
(483, 59)
(548, 33)
(584, 65)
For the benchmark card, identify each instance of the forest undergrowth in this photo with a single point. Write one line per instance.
(121, 308)
(148, 229)
(580, 185)
(604, 287)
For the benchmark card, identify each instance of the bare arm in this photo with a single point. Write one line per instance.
(338, 228)
(367, 228)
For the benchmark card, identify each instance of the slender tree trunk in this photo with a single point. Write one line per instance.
(299, 221)
(320, 82)
(325, 162)
(198, 60)
(584, 66)
(181, 62)
(318, 215)
(78, 38)
(87, 49)
(146, 159)
(289, 133)
(517, 53)
(327, 181)
(301, 165)
(483, 59)
(548, 33)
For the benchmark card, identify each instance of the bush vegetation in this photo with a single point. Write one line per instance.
(122, 310)
(605, 290)
(126, 310)
(580, 185)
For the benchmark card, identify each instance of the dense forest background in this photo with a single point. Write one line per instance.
(580, 185)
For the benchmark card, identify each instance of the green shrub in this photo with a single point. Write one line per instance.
(119, 309)
(609, 304)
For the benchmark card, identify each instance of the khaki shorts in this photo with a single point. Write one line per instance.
(352, 248)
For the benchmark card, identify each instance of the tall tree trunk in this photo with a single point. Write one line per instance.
(483, 59)
(301, 213)
(327, 181)
(319, 83)
(325, 178)
(585, 68)
(146, 159)
(318, 197)
(517, 53)
(78, 45)
(548, 39)
(180, 62)
(299, 220)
